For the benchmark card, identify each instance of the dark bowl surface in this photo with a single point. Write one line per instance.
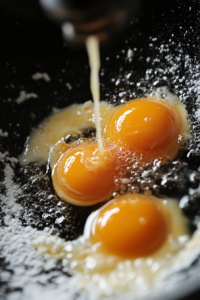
(164, 44)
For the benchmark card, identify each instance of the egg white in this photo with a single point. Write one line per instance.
(164, 95)
(110, 273)
(74, 118)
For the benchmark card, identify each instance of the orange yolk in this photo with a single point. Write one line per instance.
(131, 228)
(147, 127)
(84, 175)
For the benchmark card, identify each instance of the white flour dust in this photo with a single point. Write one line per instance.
(44, 76)
(33, 277)
(3, 134)
(25, 96)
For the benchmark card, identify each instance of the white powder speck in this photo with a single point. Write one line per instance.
(117, 82)
(4, 134)
(130, 53)
(198, 114)
(13, 191)
(69, 86)
(121, 94)
(125, 180)
(25, 96)
(3, 155)
(44, 76)
(13, 160)
(55, 110)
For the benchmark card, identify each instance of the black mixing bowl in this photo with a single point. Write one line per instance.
(159, 49)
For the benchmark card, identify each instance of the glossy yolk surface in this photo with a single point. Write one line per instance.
(85, 176)
(148, 127)
(133, 228)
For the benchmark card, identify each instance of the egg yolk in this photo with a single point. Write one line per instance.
(85, 176)
(147, 127)
(130, 228)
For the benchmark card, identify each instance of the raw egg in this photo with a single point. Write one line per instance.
(126, 245)
(140, 130)
(134, 225)
(84, 177)
(130, 227)
(129, 241)
(149, 127)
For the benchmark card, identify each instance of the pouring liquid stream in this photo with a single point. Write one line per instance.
(92, 46)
